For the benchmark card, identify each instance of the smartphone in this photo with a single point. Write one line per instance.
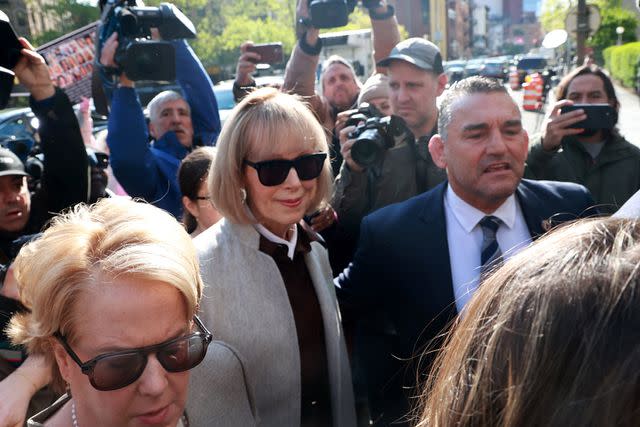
(599, 116)
(10, 47)
(270, 53)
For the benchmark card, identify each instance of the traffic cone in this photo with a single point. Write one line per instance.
(514, 80)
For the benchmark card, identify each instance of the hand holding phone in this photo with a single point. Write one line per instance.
(569, 119)
(599, 116)
(270, 53)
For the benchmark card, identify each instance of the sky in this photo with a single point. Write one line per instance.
(532, 6)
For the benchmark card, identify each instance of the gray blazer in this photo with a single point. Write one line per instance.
(246, 305)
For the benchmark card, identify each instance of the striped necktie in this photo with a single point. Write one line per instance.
(491, 255)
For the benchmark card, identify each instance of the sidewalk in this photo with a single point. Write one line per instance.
(629, 115)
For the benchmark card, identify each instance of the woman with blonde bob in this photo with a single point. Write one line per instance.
(551, 339)
(113, 291)
(269, 286)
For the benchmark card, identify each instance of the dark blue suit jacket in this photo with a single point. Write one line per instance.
(399, 284)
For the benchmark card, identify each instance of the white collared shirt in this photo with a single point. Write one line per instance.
(291, 243)
(464, 236)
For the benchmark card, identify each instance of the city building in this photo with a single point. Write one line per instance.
(413, 15)
(29, 18)
(512, 11)
(459, 29)
(480, 45)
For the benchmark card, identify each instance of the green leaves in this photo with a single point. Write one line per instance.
(71, 15)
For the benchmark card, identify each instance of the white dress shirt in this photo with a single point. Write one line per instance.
(264, 232)
(464, 236)
(290, 244)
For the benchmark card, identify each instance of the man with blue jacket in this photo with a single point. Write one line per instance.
(177, 122)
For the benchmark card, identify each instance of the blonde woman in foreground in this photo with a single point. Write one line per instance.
(113, 291)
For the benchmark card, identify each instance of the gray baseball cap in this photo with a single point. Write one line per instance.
(417, 51)
(10, 164)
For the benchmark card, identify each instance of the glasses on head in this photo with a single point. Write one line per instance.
(275, 172)
(111, 371)
(202, 198)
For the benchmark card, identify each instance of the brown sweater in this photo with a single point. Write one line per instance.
(316, 398)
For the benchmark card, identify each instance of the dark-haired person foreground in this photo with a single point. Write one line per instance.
(600, 159)
(115, 319)
(418, 262)
(268, 283)
(550, 339)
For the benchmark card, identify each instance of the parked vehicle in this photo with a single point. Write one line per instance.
(529, 65)
(18, 128)
(496, 69)
(224, 93)
(473, 67)
(224, 97)
(454, 70)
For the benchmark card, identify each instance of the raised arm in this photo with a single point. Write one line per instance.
(385, 32)
(65, 178)
(133, 163)
(198, 91)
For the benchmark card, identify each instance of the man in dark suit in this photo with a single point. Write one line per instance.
(419, 261)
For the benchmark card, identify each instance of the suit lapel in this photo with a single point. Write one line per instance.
(533, 210)
(433, 227)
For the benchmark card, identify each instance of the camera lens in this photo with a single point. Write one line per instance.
(368, 148)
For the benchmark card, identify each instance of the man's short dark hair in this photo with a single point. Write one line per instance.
(462, 88)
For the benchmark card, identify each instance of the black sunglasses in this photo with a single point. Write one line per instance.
(111, 371)
(275, 172)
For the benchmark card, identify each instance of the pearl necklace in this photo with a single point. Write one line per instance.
(74, 418)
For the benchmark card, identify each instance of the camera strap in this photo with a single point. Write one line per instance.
(421, 161)
(373, 174)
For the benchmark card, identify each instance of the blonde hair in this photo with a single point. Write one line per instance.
(115, 237)
(265, 120)
(551, 339)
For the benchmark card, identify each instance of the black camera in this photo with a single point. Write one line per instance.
(137, 55)
(10, 53)
(375, 136)
(364, 112)
(334, 13)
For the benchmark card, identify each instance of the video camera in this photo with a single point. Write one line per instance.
(334, 13)
(374, 135)
(10, 54)
(137, 55)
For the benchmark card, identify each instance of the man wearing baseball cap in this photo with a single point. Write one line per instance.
(15, 202)
(416, 79)
(64, 181)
